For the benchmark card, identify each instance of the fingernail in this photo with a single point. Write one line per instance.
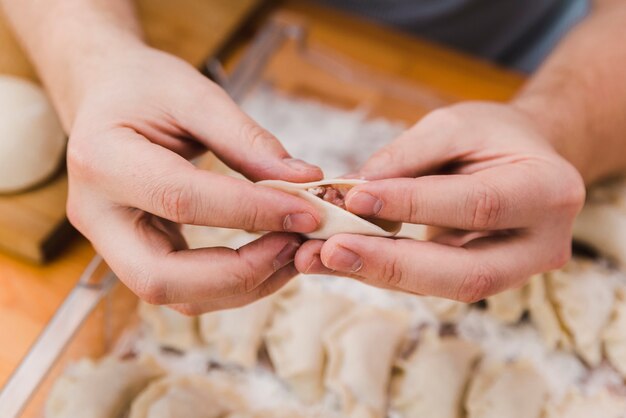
(316, 266)
(364, 204)
(299, 165)
(300, 222)
(286, 255)
(345, 260)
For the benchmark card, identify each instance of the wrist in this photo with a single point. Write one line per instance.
(564, 133)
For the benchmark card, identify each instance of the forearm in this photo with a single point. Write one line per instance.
(68, 40)
(578, 97)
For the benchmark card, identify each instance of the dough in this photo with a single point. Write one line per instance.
(575, 405)
(583, 294)
(508, 306)
(235, 335)
(361, 350)
(602, 222)
(168, 327)
(294, 339)
(334, 219)
(511, 390)
(102, 389)
(544, 316)
(433, 379)
(615, 334)
(446, 310)
(32, 143)
(189, 396)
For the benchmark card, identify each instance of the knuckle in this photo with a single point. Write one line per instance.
(151, 290)
(251, 218)
(560, 257)
(486, 205)
(392, 273)
(477, 285)
(246, 277)
(176, 202)
(256, 136)
(573, 193)
(79, 160)
(73, 214)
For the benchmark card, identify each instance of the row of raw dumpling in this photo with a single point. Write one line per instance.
(140, 388)
(580, 308)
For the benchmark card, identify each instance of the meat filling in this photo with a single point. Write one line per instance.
(335, 194)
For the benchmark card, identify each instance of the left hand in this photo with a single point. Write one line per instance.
(501, 200)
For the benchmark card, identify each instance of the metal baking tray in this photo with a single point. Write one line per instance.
(283, 55)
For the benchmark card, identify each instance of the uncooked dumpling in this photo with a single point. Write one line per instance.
(508, 306)
(446, 310)
(433, 379)
(191, 396)
(602, 222)
(544, 316)
(583, 294)
(235, 335)
(600, 405)
(615, 334)
(511, 390)
(32, 141)
(102, 389)
(168, 327)
(328, 197)
(294, 339)
(361, 349)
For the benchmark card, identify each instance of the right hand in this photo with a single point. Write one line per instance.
(130, 185)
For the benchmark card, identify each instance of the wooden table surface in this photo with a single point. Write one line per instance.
(192, 29)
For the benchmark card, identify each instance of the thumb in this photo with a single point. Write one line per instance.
(241, 143)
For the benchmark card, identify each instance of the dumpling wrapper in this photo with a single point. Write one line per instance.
(102, 389)
(614, 336)
(583, 294)
(168, 327)
(361, 349)
(190, 396)
(511, 390)
(294, 339)
(602, 222)
(235, 335)
(544, 315)
(575, 405)
(335, 220)
(433, 379)
(508, 306)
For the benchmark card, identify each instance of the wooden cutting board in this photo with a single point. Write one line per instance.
(33, 224)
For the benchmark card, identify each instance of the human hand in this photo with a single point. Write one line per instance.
(502, 203)
(139, 119)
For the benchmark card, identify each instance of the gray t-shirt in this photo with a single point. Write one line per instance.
(516, 33)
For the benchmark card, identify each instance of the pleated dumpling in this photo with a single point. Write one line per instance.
(583, 294)
(294, 339)
(190, 396)
(434, 377)
(447, 310)
(511, 390)
(508, 306)
(168, 327)
(614, 336)
(328, 197)
(544, 315)
(602, 222)
(361, 349)
(235, 335)
(600, 405)
(102, 389)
